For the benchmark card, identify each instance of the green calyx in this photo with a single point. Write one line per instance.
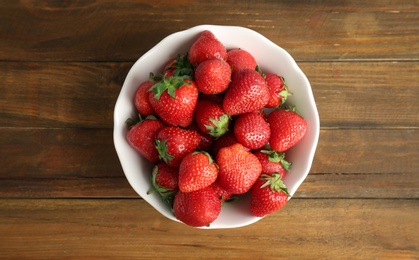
(284, 93)
(278, 157)
(182, 66)
(168, 195)
(163, 150)
(274, 182)
(170, 85)
(219, 127)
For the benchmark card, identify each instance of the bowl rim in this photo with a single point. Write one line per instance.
(119, 134)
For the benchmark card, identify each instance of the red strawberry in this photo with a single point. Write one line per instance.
(141, 137)
(197, 171)
(272, 161)
(247, 92)
(239, 59)
(141, 101)
(278, 90)
(179, 66)
(211, 118)
(251, 130)
(268, 195)
(222, 194)
(287, 128)
(165, 181)
(206, 139)
(213, 76)
(174, 100)
(206, 47)
(225, 140)
(174, 143)
(238, 168)
(197, 208)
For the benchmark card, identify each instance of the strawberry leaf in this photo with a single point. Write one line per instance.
(220, 126)
(163, 150)
(278, 157)
(274, 182)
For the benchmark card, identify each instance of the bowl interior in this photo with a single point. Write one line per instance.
(271, 58)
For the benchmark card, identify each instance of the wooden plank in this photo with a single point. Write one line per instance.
(349, 163)
(84, 94)
(130, 229)
(39, 94)
(109, 31)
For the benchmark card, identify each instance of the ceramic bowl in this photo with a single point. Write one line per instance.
(271, 58)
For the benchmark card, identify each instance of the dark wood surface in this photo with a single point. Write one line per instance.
(63, 194)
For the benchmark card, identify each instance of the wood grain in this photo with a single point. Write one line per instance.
(81, 94)
(349, 163)
(109, 31)
(130, 229)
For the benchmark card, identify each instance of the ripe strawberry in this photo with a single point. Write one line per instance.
(206, 47)
(251, 130)
(141, 101)
(197, 171)
(141, 137)
(238, 168)
(206, 139)
(212, 76)
(197, 208)
(179, 66)
(287, 128)
(278, 90)
(165, 181)
(222, 194)
(225, 140)
(174, 100)
(268, 195)
(272, 161)
(174, 143)
(239, 59)
(211, 118)
(247, 92)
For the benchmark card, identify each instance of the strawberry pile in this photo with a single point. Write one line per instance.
(204, 125)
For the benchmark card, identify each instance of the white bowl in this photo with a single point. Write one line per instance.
(270, 58)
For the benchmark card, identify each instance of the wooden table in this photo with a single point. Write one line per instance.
(63, 194)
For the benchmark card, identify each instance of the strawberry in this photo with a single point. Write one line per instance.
(179, 66)
(212, 76)
(197, 171)
(272, 161)
(211, 118)
(268, 195)
(174, 100)
(141, 137)
(197, 208)
(225, 140)
(278, 90)
(239, 59)
(222, 194)
(287, 128)
(141, 102)
(247, 92)
(206, 139)
(165, 181)
(174, 143)
(206, 47)
(251, 130)
(238, 168)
